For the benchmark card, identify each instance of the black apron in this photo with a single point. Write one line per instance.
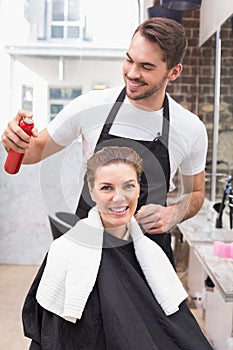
(155, 179)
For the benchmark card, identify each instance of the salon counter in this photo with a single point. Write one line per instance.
(201, 228)
(220, 270)
(216, 305)
(200, 234)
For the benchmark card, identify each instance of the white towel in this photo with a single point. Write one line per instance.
(73, 263)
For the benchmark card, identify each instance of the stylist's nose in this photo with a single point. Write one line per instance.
(133, 72)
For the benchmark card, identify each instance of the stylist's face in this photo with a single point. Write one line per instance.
(115, 193)
(145, 73)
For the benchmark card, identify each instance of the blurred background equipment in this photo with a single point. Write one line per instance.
(181, 5)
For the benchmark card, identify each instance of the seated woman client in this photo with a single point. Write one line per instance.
(104, 285)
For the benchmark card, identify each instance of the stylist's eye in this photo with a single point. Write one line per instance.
(128, 60)
(147, 67)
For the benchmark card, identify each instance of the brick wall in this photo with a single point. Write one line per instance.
(195, 87)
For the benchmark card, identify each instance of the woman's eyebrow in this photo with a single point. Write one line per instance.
(129, 182)
(104, 183)
(109, 183)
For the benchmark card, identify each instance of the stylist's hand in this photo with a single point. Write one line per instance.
(14, 137)
(156, 218)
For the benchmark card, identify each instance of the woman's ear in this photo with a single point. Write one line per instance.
(91, 192)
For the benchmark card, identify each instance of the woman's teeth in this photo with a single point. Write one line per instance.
(118, 210)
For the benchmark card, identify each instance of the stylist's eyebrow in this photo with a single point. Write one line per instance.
(142, 63)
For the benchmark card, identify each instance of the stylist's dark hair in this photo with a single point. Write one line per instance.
(169, 35)
(113, 154)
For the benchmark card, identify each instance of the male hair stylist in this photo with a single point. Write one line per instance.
(142, 116)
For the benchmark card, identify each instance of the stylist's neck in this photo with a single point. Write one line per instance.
(149, 104)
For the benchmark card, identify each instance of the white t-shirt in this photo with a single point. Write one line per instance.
(84, 117)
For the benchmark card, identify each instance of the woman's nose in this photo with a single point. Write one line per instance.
(118, 195)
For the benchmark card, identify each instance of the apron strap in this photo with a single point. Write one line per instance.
(112, 114)
(166, 121)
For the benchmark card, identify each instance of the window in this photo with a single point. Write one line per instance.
(59, 97)
(66, 20)
(104, 23)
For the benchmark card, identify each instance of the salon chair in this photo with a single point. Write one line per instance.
(61, 222)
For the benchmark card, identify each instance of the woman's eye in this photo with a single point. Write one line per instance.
(106, 188)
(129, 186)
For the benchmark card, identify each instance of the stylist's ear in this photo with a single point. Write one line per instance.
(175, 72)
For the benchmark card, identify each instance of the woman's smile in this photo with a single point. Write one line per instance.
(119, 210)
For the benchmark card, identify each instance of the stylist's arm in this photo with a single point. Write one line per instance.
(35, 147)
(14, 137)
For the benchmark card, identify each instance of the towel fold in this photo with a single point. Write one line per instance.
(73, 263)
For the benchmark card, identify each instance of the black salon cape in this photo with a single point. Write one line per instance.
(121, 313)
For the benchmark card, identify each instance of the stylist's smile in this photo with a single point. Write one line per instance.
(135, 85)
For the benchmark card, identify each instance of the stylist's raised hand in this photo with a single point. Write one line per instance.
(14, 137)
(156, 218)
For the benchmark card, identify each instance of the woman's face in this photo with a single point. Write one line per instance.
(115, 192)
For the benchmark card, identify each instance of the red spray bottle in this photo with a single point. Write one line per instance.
(14, 159)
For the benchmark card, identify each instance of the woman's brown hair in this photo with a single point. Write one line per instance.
(113, 154)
